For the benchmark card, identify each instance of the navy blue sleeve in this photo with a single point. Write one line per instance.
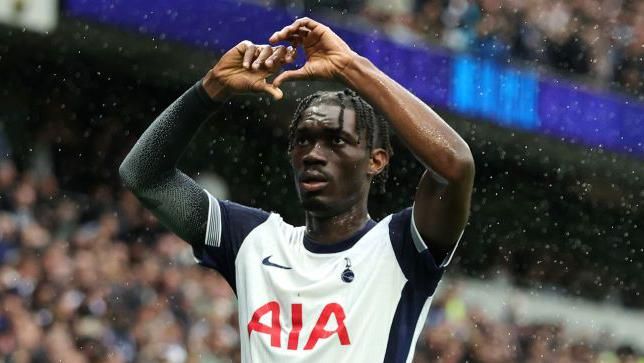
(229, 224)
(419, 266)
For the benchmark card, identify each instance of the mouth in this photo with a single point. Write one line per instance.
(312, 186)
(312, 181)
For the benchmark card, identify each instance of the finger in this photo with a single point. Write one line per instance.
(303, 31)
(294, 28)
(286, 33)
(308, 23)
(298, 38)
(295, 41)
(263, 55)
(277, 57)
(299, 34)
(271, 89)
(291, 76)
(291, 53)
(248, 55)
(283, 34)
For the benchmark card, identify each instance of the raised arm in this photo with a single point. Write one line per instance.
(149, 170)
(442, 199)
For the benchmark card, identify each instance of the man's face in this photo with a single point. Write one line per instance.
(331, 168)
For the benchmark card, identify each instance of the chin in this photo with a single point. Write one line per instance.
(312, 204)
(317, 206)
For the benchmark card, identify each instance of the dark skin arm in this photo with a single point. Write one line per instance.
(442, 200)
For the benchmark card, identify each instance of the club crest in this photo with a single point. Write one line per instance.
(347, 275)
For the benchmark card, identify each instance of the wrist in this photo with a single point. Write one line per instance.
(214, 88)
(354, 69)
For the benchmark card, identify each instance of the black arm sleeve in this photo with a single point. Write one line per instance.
(149, 170)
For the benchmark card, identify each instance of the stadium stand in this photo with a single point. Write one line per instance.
(598, 38)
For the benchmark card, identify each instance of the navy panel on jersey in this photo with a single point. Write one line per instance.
(229, 224)
(402, 327)
(423, 274)
(420, 268)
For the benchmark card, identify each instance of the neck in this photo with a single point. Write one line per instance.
(332, 229)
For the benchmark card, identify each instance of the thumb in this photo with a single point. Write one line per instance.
(272, 90)
(291, 75)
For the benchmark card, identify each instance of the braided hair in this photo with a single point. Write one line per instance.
(377, 128)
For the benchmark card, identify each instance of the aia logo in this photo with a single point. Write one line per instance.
(318, 332)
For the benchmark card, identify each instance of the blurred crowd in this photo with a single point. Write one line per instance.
(94, 278)
(601, 39)
(457, 333)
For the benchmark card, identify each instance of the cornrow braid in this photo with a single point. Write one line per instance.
(362, 115)
(377, 128)
(340, 96)
(303, 105)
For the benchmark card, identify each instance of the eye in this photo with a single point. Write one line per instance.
(301, 141)
(337, 140)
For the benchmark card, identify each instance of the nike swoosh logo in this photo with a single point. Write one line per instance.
(266, 262)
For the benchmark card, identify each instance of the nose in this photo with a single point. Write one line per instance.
(315, 155)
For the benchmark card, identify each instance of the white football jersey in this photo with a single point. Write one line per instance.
(364, 299)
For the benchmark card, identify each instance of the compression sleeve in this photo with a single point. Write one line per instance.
(149, 169)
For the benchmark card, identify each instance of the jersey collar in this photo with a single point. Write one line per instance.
(316, 247)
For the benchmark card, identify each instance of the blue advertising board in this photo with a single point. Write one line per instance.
(507, 96)
(487, 90)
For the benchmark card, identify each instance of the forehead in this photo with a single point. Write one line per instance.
(325, 116)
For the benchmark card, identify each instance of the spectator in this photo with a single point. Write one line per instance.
(599, 38)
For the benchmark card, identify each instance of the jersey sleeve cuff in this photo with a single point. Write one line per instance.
(421, 246)
(213, 228)
(203, 96)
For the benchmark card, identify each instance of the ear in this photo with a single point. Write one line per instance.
(378, 161)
